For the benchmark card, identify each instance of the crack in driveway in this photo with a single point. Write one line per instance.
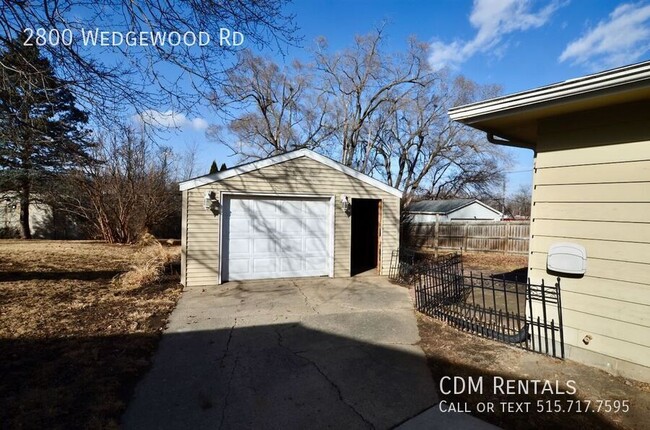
(295, 284)
(228, 389)
(227, 348)
(327, 378)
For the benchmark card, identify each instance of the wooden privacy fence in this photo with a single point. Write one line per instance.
(503, 236)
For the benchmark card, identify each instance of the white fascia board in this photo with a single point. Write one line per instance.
(489, 207)
(574, 87)
(235, 171)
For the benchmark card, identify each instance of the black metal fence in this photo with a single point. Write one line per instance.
(403, 266)
(519, 313)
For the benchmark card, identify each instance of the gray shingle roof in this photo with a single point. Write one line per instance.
(438, 206)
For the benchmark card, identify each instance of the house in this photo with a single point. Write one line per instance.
(430, 211)
(590, 220)
(45, 221)
(292, 215)
(41, 217)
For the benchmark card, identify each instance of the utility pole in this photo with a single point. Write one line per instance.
(503, 194)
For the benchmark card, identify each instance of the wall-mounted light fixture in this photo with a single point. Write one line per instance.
(211, 203)
(346, 205)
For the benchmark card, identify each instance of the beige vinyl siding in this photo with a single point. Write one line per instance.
(592, 187)
(202, 241)
(184, 238)
(300, 176)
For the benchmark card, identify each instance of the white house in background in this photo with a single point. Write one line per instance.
(426, 211)
(40, 216)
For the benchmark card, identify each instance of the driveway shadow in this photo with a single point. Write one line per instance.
(83, 275)
(277, 377)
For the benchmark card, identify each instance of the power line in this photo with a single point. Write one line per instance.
(518, 171)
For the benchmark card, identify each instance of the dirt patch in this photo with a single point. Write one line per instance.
(74, 340)
(457, 354)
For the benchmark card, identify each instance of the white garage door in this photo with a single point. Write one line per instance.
(275, 238)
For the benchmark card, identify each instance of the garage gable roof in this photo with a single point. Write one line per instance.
(260, 164)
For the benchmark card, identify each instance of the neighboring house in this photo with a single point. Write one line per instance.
(45, 222)
(291, 215)
(430, 211)
(40, 217)
(591, 188)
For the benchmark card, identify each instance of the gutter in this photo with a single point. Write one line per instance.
(596, 83)
(498, 140)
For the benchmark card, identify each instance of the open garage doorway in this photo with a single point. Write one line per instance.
(366, 228)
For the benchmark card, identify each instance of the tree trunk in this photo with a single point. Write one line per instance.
(25, 232)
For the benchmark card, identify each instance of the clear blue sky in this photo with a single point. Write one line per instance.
(516, 44)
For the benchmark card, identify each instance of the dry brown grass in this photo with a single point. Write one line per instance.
(488, 262)
(79, 322)
(451, 352)
(493, 262)
(151, 260)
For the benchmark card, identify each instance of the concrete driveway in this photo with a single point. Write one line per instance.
(298, 353)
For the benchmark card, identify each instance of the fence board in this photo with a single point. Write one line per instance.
(502, 236)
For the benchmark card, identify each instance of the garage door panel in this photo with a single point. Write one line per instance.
(291, 245)
(239, 247)
(316, 210)
(264, 227)
(240, 227)
(240, 265)
(263, 245)
(289, 226)
(292, 208)
(314, 263)
(241, 208)
(316, 245)
(267, 208)
(315, 225)
(262, 266)
(290, 265)
(270, 238)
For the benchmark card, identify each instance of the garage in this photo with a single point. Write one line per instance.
(296, 214)
(275, 237)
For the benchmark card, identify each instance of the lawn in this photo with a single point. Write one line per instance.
(75, 332)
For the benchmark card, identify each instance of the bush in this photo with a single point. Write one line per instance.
(152, 259)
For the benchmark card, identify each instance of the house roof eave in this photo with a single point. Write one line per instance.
(514, 117)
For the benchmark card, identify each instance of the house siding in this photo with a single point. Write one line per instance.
(472, 212)
(592, 187)
(184, 238)
(300, 176)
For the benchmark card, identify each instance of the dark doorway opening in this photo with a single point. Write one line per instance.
(365, 235)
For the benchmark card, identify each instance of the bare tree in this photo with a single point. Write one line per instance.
(115, 76)
(384, 114)
(185, 162)
(281, 112)
(358, 82)
(519, 203)
(129, 193)
(429, 154)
